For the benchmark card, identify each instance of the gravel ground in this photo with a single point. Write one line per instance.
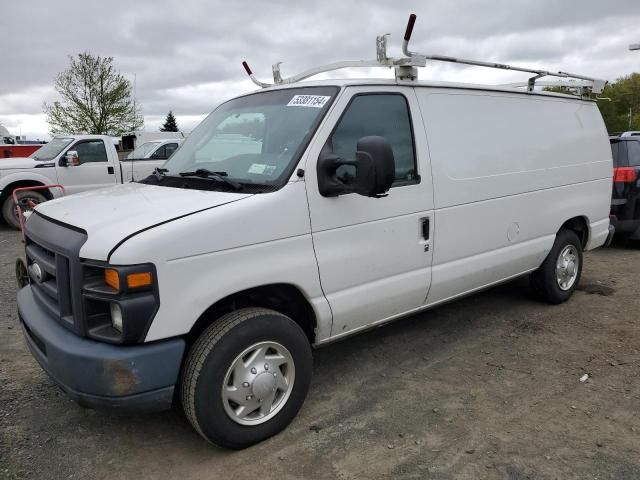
(487, 387)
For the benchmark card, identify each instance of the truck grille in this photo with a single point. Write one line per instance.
(51, 286)
(53, 264)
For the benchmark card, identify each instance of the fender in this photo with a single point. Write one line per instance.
(31, 175)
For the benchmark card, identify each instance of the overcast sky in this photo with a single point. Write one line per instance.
(187, 55)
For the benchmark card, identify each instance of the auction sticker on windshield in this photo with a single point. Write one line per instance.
(315, 101)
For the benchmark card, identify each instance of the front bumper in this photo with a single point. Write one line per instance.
(96, 374)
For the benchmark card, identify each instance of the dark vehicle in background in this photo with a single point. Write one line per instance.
(625, 198)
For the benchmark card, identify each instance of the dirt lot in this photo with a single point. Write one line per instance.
(487, 387)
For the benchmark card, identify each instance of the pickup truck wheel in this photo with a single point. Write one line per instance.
(558, 276)
(10, 211)
(246, 377)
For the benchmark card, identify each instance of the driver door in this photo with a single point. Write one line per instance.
(93, 169)
(374, 254)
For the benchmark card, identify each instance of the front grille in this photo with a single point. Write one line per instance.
(51, 290)
(53, 264)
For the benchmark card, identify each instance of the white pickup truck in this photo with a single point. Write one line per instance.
(78, 162)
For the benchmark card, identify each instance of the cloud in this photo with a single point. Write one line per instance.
(186, 56)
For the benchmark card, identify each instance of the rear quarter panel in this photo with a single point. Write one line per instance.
(509, 170)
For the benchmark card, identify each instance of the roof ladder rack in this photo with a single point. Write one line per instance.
(406, 67)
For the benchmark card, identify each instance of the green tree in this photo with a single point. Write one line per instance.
(623, 111)
(170, 124)
(619, 103)
(96, 99)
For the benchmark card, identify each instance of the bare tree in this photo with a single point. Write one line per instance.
(96, 99)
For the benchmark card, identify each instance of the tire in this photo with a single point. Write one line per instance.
(557, 287)
(207, 377)
(9, 209)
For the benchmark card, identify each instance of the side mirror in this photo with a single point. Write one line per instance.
(375, 170)
(70, 159)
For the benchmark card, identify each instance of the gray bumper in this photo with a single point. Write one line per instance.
(96, 374)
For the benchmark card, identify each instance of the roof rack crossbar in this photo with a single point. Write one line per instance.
(414, 59)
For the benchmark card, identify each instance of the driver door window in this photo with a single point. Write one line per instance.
(164, 152)
(90, 151)
(169, 148)
(385, 115)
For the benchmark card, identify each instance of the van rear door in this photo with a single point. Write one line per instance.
(374, 254)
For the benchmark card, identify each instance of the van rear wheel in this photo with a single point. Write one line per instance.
(246, 377)
(558, 276)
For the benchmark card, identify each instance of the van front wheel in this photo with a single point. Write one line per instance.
(558, 276)
(246, 377)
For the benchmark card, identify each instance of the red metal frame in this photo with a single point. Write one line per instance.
(32, 205)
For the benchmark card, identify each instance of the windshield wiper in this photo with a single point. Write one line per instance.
(159, 172)
(219, 176)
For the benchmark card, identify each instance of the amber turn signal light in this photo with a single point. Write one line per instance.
(112, 278)
(137, 280)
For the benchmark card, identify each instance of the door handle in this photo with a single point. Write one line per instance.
(425, 228)
(110, 170)
(425, 225)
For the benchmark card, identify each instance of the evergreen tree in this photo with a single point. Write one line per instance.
(170, 124)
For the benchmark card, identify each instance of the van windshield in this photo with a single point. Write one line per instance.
(255, 139)
(143, 150)
(51, 149)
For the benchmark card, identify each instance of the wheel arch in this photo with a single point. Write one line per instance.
(284, 298)
(10, 187)
(579, 225)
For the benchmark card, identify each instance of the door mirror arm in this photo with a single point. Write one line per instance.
(328, 183)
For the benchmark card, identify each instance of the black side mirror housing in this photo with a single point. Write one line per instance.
(375, 170)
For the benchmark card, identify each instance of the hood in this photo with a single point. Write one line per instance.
(110, 215)
(17, 163)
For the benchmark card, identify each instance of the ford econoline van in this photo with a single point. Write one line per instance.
(296, 216)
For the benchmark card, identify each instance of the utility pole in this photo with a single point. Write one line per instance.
(134, 101)
(632, 47)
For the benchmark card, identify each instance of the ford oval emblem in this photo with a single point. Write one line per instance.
(36, 272)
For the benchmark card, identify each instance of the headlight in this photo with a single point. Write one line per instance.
(119, 301)
(116, 317)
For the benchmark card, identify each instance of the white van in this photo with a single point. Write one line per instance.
(161, 149)
(298, 215)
